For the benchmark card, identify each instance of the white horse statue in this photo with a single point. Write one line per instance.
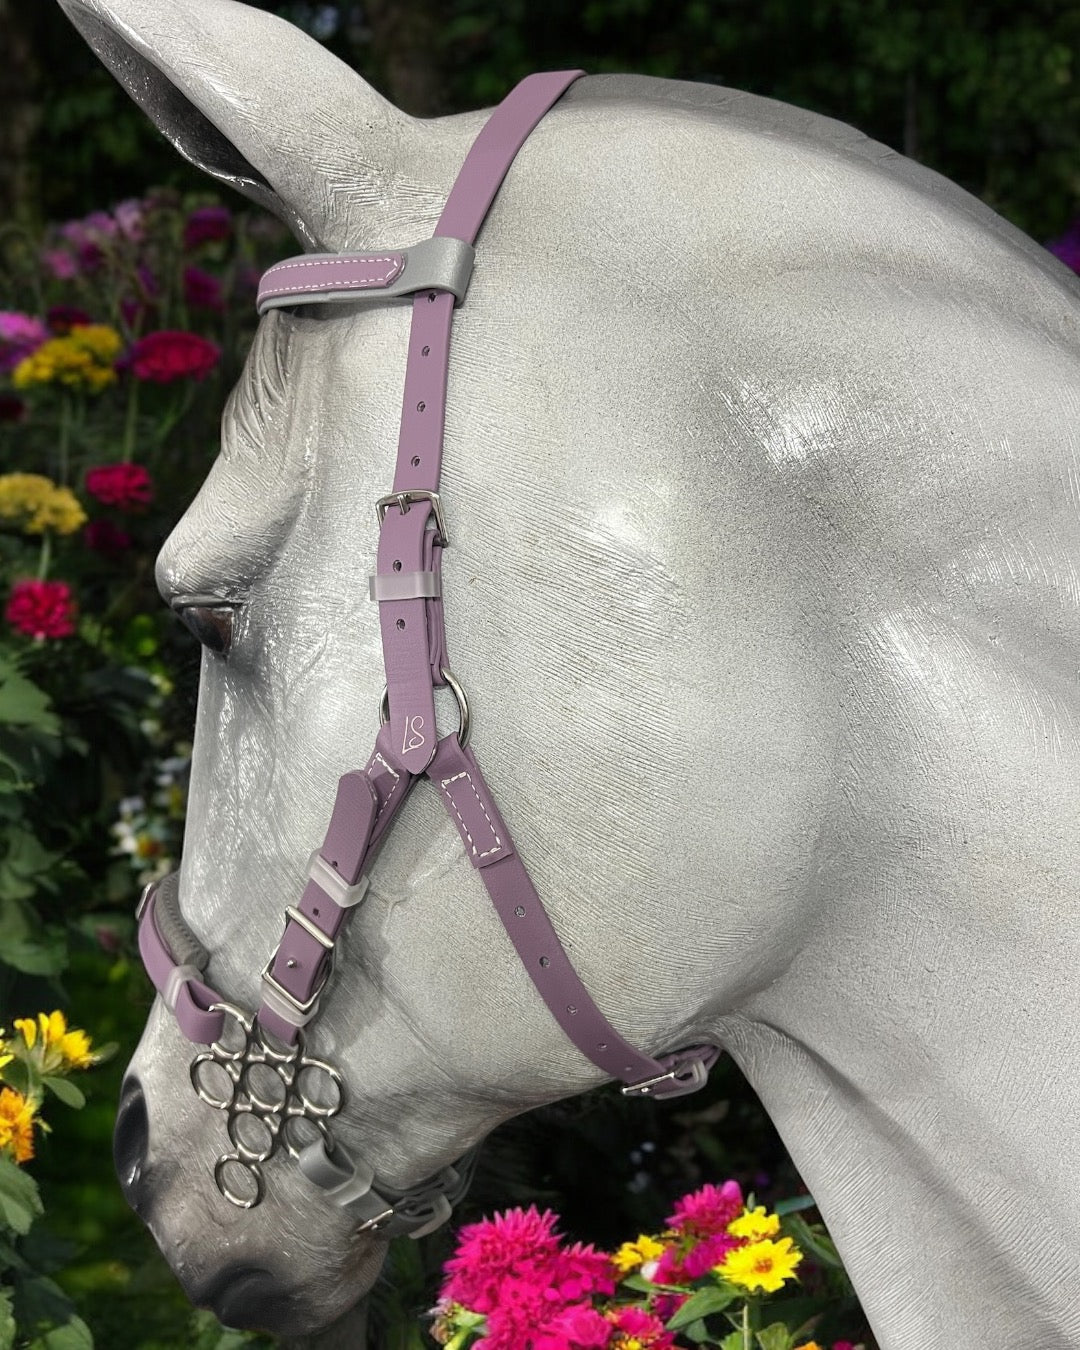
(762, 478)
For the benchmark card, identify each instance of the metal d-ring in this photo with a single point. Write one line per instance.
(464, 720)
(252, 1169)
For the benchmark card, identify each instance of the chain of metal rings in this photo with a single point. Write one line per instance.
(274, 1098)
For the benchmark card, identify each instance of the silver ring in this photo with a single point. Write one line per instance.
(311, 1109)
(227, 1066)
(222, 1051)
(261, 1106)
(223, 1189)
(246, 1154)
(464, 719)
(320, 1126)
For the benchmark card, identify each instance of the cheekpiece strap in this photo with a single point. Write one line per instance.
(407, 588)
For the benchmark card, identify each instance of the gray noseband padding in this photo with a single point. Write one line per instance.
(186, 947)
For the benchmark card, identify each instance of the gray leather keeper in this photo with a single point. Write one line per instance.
(441, 263)
(181, 941)
(405, 586)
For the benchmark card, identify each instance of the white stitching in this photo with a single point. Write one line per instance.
(269, 287)
(334, 262)
(444, 785)
(378, 759)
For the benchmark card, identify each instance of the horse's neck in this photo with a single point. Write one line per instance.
(938, 1134)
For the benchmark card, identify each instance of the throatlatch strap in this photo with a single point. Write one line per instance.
(407, 588)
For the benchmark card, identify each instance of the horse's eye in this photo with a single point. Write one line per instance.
(210, 619)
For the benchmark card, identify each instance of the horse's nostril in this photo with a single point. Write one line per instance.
(250, 1300)
(130, 1139)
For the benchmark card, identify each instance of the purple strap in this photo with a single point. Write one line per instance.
(411, 540)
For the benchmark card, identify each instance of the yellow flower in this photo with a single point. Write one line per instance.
(16, 1124)
(60, 1048)
(633, 1254)
(754, 1224)
(36, 504)
(81, 360)
(808, 1345)
(761, 1265)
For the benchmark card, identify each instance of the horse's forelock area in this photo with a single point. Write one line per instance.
(761, 484)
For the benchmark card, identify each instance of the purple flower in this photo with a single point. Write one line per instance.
(20, 334)
(206, 224)
(1067, 248)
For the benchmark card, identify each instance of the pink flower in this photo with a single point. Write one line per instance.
(579, 1271)
(513, 1322)
(20, 334)
(202, 290)
(103, 537)
(665, 1306)
(678, 1265)
(641, 1326)
(578, 1327)
(60, 263)
(171, 355)
(843, 1345)
(129, 218)
(206, 224)
(125, 486)
(707, 1211)
(41, 609)
(517, 1246)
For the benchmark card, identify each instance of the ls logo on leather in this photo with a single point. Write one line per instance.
(414, 734)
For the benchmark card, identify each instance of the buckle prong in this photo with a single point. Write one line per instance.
(403, 500)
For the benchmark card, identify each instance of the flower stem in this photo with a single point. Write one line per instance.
(131, 421)
(45, 556)
(64, 440)
(746, 1326)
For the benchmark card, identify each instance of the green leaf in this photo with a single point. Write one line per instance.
(775, 1337)
(20, 1203)
(696, 1332)
(7, 1321)
(66, 1090)
(73, 1335)
(814, 1242)
(22, 703)
(733, 1342)
(702, 1304)
(795, 1204)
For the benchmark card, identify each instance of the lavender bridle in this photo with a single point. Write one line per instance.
(257, 1068)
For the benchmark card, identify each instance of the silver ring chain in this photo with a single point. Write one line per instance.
(271, 1098)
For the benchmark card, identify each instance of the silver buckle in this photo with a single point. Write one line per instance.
(686, 1077)
(278, 988)
(374, 1224)
(144, 900)
(403, 500)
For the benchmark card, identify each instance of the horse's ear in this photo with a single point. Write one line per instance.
(248, 98)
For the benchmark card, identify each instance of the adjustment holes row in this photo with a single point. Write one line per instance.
(415, 461)
(421, 406)
(397, 564)
(545, 961)
(425, 351)
(401, 625)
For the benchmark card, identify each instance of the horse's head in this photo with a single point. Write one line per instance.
(574, 605)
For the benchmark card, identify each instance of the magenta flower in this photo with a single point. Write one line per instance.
(580, 1271)
(641, 1326)
(129, 218)
(520, 1244)
(20, 334)
(171, 355)
(102, 536)
(707, 1211)
(128, 487)
(578, 1327)
(202, 290)
(41, 609)
(679, 1263)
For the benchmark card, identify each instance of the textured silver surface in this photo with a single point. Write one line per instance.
(762, 479)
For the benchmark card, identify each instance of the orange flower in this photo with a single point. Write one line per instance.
(16, 1124)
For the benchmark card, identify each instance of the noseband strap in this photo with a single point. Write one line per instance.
(408, 590)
